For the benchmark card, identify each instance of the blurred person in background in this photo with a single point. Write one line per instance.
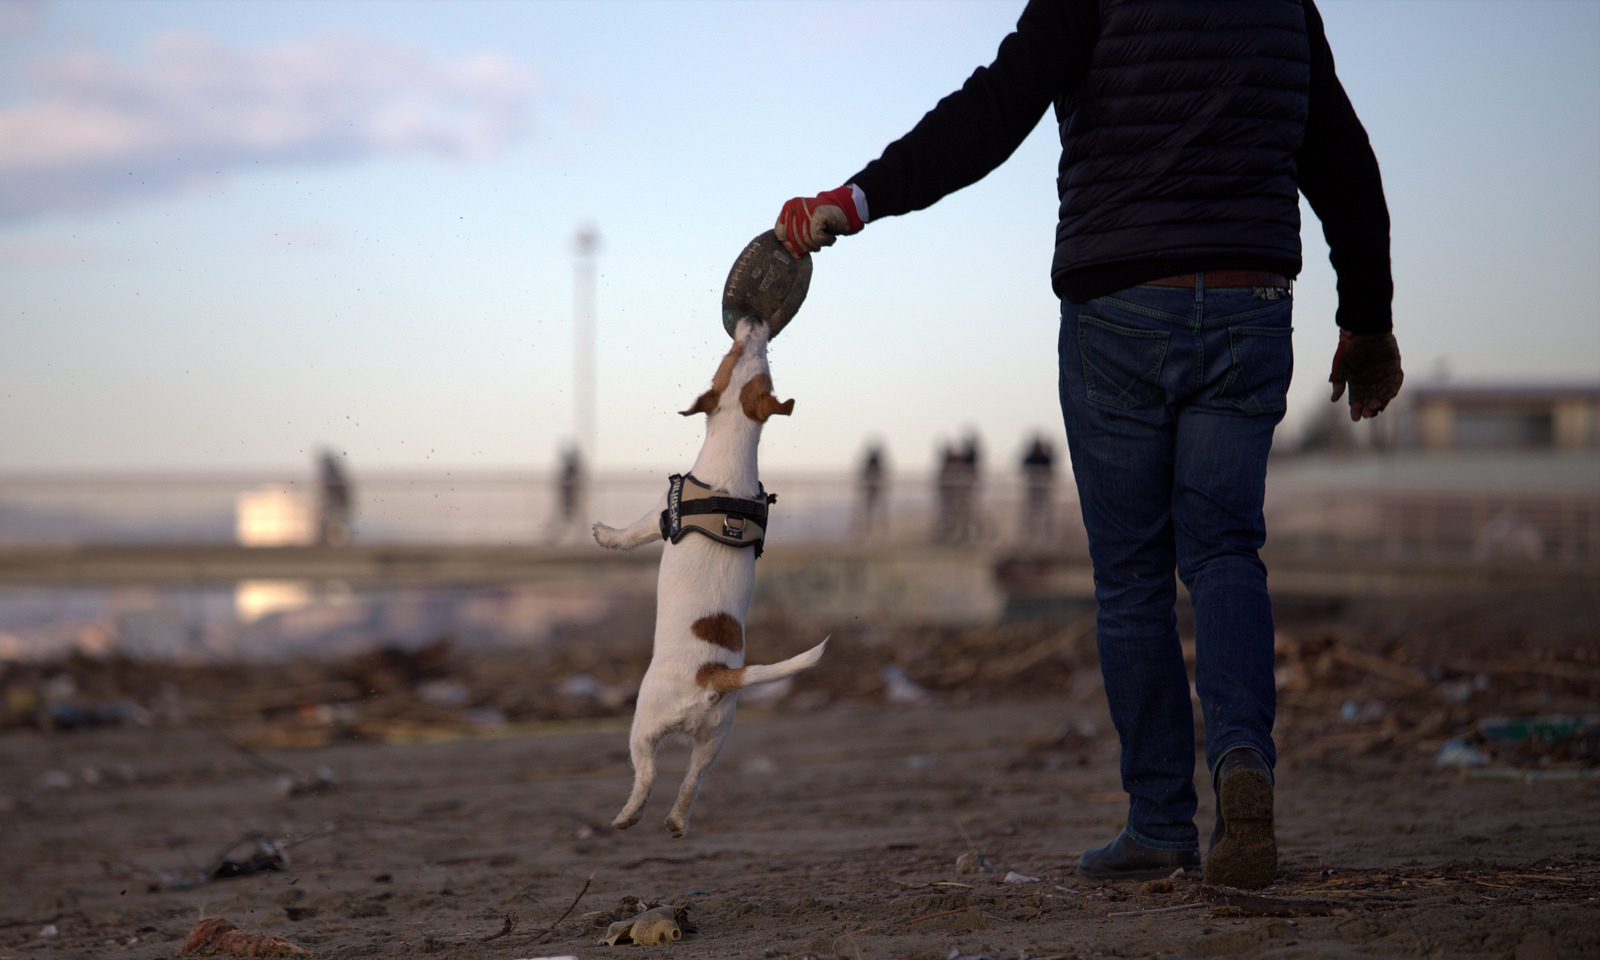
(335, 501)
(1038, 493)
(569, 496)
(1188, 131)
(871, 518)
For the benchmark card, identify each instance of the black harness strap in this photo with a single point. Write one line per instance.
(695, 507)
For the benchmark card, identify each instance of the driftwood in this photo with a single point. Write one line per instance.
(1378, 666)
(1231, 903)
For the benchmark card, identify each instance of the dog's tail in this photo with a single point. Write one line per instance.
(766, 673)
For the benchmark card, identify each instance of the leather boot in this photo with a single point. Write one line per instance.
(1127, 859)
(1244, 851)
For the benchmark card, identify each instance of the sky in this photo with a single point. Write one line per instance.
(235, 233)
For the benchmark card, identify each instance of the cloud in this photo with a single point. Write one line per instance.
(96, 130)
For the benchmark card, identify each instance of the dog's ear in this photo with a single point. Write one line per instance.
(758, 402)
(705, 403)
(708, 401)
(770, 406)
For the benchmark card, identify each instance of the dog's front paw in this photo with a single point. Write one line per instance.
(609, 537)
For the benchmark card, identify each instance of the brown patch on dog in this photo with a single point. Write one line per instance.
(707, 402)
(720, 677)
(721, 629)
(758, 402)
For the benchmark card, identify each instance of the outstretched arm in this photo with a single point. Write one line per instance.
(976, 128)
(966, 135)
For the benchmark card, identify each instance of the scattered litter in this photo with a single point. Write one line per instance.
(215, 936)
(302, 783)
(898, 687)
(1150, 887)
(47, 931)
(760, 765)
(956, 954)
(484, 717)
(1015, 877)
(1554, 747)
(950, 883)
(1459, 753)
(1460, 691)
(973, 863)
(582, 686)
(444, 693)
(1362, 711)
(655, 925)
(264, 855)
(918, 761)
(1548, 731)
(1066, 889)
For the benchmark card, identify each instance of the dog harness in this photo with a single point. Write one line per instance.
(693, 506)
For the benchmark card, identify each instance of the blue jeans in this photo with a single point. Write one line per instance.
(1170, 397)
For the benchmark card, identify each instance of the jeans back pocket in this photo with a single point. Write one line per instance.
(1263, 362)
(1121, 365)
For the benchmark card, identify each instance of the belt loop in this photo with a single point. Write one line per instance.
(1199, 288)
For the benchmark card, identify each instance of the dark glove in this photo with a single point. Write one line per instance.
(807, 224)
(1370, 364)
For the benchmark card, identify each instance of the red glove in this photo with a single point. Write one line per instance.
(807, 224)
(1370, 364)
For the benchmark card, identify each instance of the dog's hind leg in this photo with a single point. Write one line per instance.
(645, 530)
(642, 747)
(706, 747)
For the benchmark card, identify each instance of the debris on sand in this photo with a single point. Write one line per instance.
(647, 929)
(1459, 753)
(1013, 876)
(216, 937)
(898, 687)
(264, 855)
(974, 863)
(656, 923)
(303, 783)
(1228, 903)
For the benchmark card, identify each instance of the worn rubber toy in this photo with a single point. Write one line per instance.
(767, 283)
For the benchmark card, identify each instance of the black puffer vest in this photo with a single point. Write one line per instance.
(1178, 146)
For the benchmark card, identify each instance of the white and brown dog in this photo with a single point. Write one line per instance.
(703, 591)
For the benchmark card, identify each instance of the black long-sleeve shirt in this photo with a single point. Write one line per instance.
(976, 128)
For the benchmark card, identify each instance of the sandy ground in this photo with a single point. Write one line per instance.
(833, 831)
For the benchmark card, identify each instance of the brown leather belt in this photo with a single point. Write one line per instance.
(1225, 278)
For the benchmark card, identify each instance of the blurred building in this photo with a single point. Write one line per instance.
(1499, 417)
